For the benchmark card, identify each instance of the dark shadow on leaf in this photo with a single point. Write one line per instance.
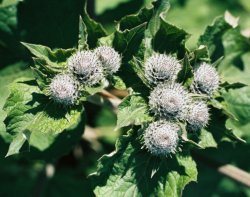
(143, 164)
(47, 106)
(29, 82)
(239, 63)
(62, 143)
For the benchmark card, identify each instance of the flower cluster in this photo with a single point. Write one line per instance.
(161, 67)
(172, 103)
(84, 68)
(161, 138)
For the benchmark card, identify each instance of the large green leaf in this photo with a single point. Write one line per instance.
(132, 111)
(82, 36)
(235, 66)
(94, 30)
(206, 139)
(212, 37)
(132, 171)
(238, 102)
(170, 39)
(161, 8)
(51, 57)
(127, 43)
(131, 21)
(8, 74)
(30, 113)
(48, 62)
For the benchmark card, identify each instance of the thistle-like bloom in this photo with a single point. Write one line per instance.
(161, 138)
(64, 89)
(206, 79)
(87, 67)
(169, 101)
(198, 115)
(161, 68)
(111, 60)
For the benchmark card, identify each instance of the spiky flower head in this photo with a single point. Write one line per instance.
(161, 68)
(198, 115)
(111, 60)
(206, 79)
(161, 138)
(64, 89)
(169, 101)
(87, 67)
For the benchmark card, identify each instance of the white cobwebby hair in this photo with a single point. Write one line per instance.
(206, 79)
(64, 89)
(161, 68)
(87, 67)
(169, 101)
(110, 59)
(161, 138)
(198, 115)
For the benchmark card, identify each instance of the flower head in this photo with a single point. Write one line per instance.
(111, 60)
(198, 115)
(87, 67)
(63, 89)
(161, 68)
(206, 79)
(161, 138)
(169, 101)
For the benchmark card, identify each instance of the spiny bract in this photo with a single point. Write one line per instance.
(206, 79)
(87, 67)
(161, 68)
(161, 138)
(198, 115)
(111, 60)
(169, 101)
(64, 89)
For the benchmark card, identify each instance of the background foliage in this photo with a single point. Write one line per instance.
(62, 169)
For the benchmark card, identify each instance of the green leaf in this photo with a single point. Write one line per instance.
(132, 171)
(185, 75)
(94, 30)
(223, 106)
(131, 21)
(132, 111)
(94, 89)
(206, 139)
(219, 129)
(30, 112)
(170, 39)
(229, 86)
(8, 74)
(128, 41)
(212, 37)
(238, 102)
(137, 66)
(54, 58)
(118, 83)
(83, 36)
(201, 54)
(161, 8)
(235, 66)
(48, 63)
